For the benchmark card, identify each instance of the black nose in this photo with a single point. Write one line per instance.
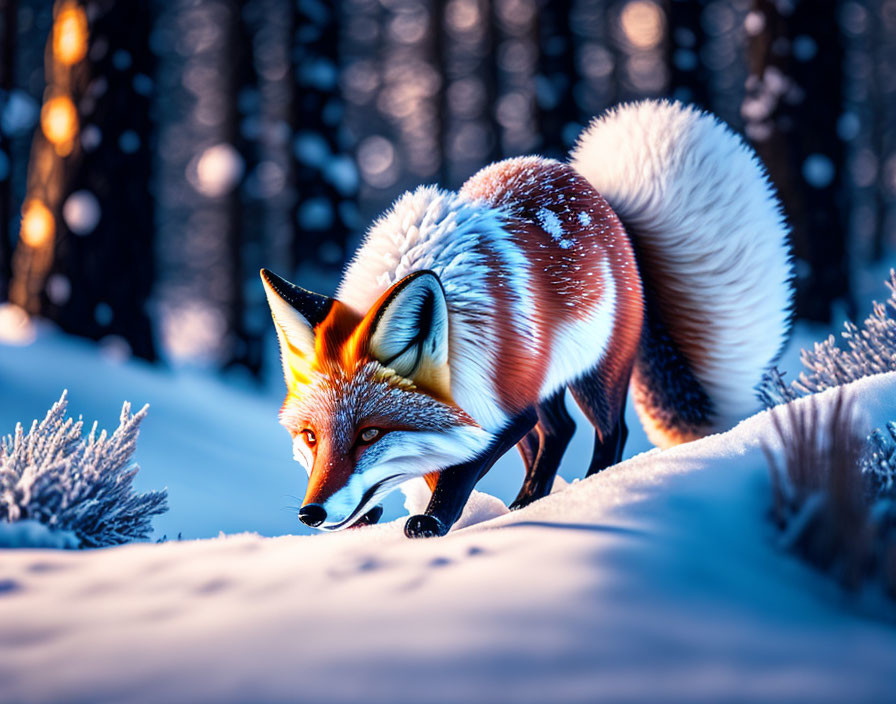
(312, 515)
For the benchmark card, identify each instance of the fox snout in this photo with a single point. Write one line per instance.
(312, 515)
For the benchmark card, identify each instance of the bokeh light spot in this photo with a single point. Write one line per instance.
(38, 224)
(70, 34)
(642, 22)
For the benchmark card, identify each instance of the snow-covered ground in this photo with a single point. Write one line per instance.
(657, 580)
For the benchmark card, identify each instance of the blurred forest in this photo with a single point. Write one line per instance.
(155, 154)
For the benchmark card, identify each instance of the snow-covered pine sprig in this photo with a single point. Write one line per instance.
(76, 485)
(879, 462)
(773, 390)
(870, 349)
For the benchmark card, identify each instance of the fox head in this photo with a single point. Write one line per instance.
(368, 401)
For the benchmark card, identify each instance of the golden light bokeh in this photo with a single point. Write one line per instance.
(38, 224)
(59, 122)
(643, 24)
(70, 34)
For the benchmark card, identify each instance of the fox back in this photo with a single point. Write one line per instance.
(539, 277)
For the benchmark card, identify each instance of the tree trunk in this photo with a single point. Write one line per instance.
(689, 75)
(243, 347)
(103, 268)
(8, 12)
(558, 115)
(793, 102)
(324, 174)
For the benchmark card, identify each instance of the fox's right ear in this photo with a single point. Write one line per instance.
(296, 313)
(409, 331)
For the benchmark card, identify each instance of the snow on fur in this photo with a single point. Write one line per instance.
(705, 220)
(79, 487)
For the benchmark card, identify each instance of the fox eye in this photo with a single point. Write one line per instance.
(368, 435)
(309, 437)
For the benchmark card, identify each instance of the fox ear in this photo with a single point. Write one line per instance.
(409, 331)
(296, 313)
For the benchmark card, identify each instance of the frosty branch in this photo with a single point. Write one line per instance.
(84, 486)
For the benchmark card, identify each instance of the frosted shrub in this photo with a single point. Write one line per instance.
(879, 463)
(870, 349)
(829, 500)
(773, 390)
(78, 486)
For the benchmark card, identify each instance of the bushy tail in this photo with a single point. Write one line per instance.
(712, 249)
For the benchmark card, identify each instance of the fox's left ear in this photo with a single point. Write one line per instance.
(409, 331)
(296, 313)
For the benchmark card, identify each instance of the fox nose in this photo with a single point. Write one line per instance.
(312, 515)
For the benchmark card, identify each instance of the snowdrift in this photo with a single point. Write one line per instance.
(657, 580)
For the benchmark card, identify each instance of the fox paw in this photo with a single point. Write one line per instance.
(519, 503)
(423, 526)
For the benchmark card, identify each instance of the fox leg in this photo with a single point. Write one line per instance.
(454, 485)
(553, 432)
(601, 396)
(528, 448)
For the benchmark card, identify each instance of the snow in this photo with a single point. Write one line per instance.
(340, 171)
(19, 114)
(657, 580)
(15, 326)
(818, 170)
(81, 212)
(311, 149)
(32, 534)
(216, 171)
(315, 214)
(550, 223)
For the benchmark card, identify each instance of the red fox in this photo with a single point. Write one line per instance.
(657, 258)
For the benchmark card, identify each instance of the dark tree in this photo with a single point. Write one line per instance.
(8, 10)
(558, 114)
(469, 88)
(244, 234)
(595, 88)
(689, 77)
(103, 267)
(792, 105)
(882, 54)
(516, 49)
(325, 177)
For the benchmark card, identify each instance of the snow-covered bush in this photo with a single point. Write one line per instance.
(76, 486)
(870, 349)
(828, 501)
(773, 390)
(879, 462)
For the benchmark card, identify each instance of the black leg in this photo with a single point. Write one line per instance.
(608, 451)
(455, 484)
(555, 429)
(528, 448)
(602, 399)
